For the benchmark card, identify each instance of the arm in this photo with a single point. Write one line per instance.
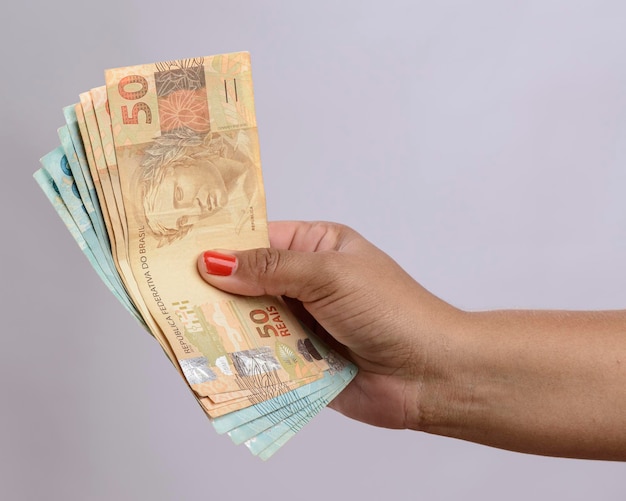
(543, 382)
(539, 382)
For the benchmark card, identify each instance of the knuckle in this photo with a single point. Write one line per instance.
(329, 235)
(265, 261)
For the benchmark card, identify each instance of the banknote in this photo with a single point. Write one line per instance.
(57, 167)
(187, 153)
(96, 135)
(265, 414)
(296, 413)
(77, 157)
(266, 444)
(53, 194)
(157, 165)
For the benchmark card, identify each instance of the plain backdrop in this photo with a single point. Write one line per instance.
(481, 144)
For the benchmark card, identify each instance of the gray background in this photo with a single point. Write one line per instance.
(482, 144)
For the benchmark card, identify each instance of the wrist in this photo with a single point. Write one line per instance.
(529, 381)
(441, 390)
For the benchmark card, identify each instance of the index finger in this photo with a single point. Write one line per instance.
(306, 236)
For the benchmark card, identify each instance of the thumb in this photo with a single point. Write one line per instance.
(267, 271)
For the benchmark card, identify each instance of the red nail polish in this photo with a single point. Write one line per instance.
(216, 263)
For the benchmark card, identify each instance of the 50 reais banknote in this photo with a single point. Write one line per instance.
(157, 165)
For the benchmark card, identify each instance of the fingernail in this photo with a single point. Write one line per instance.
(216, 263)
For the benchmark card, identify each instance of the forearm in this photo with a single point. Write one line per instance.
(549, 383)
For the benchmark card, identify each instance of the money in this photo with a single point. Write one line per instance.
(157, 165)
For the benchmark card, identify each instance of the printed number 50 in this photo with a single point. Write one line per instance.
(133, 95)
(261, 317)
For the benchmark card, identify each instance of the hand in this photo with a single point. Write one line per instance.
(542, 382)
(384, 320)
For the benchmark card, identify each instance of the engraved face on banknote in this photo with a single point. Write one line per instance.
(186, 144)
(187, 176)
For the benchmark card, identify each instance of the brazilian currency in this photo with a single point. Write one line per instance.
(155, 166)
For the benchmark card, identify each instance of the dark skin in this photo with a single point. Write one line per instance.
(542, 382)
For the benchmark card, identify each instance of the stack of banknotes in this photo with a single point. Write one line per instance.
(156, 166)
